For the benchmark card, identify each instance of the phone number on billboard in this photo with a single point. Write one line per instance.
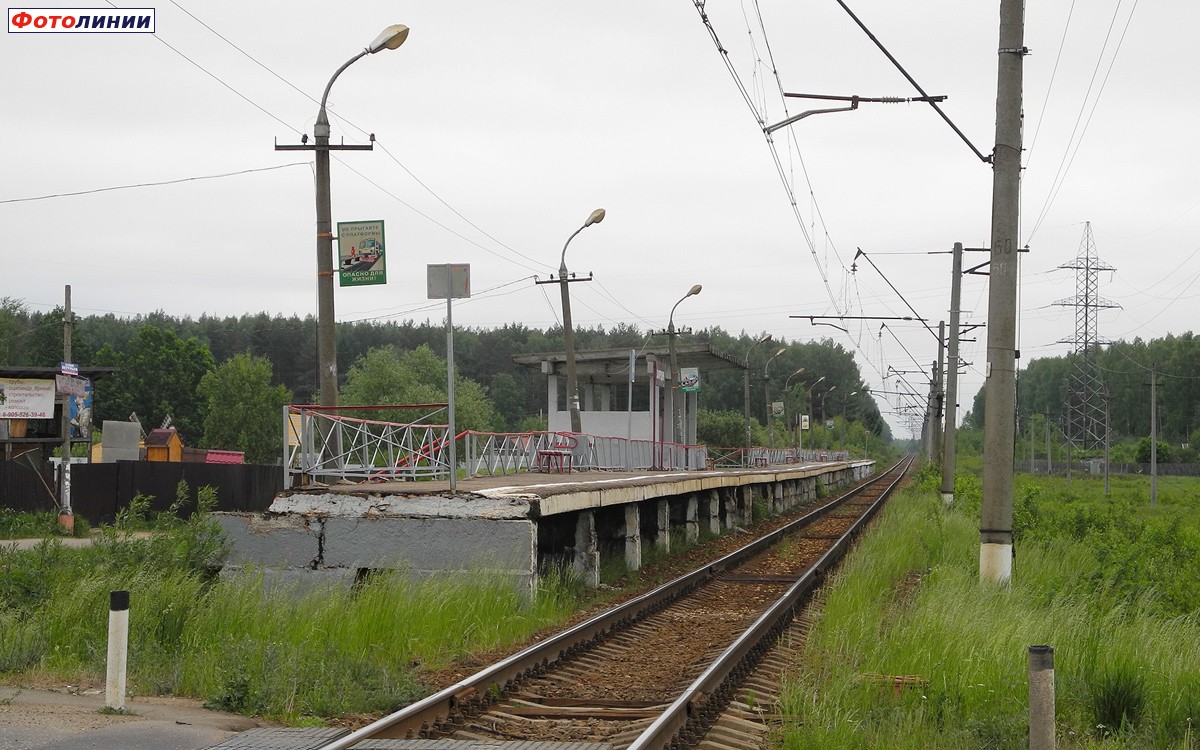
(26, 415)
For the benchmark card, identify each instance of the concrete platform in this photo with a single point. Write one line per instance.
(508, 524)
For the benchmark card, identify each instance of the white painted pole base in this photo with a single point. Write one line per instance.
(947, 499)
(118, 649)
(995, 562)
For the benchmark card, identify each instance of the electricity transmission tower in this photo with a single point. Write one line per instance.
(1085, 424)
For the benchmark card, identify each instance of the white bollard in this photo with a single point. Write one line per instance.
(118, 649)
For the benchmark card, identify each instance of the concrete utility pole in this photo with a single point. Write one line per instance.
(767, 399)
(676, 413)
(390, 38)
(1049, 459)
(1000, 387)
(66, 515)
(950, 449)
(746, 392)
(932, 418)
(939, 398)
(595, 217)
(1153, 437)
(1107, 435)
(1032, 458)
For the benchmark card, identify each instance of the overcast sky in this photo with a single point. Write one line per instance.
(500, 126)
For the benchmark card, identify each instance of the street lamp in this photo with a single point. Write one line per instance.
(767, 396)
(391, 38)
(832, 388)
(787, 383)
(845, 403)
(746, 390)
(677, 428)
(807, 397)
(595, 217)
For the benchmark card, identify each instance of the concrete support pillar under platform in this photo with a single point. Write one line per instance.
(633, 537)
(692, 520)
(662, 537)
(730, 509)
(587, 549)
(712, 502)
(746, 506)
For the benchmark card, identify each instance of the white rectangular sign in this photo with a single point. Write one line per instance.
(26, 398)
(458, 286)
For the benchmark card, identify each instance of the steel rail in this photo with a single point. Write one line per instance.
(426, 714)
(697, 702)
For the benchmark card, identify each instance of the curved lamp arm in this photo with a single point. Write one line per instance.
(595, 217)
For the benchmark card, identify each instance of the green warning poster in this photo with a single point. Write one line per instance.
(360, 253)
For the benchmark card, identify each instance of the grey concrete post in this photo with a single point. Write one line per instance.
(633, 537)
(663, 526)
(569, 344)
(1041, 698)
(747, 506)
(587, 549)
(692, 522)
(950, 447)
(1000, 369)
(731, 507)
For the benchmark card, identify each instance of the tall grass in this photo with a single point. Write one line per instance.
(909, 602)
(246, 646)
(258, 649)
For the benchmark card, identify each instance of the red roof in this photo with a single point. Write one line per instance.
(224, 457)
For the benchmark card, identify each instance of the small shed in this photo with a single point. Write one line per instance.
(164, 445)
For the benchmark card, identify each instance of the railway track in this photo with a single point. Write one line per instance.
(694, 663)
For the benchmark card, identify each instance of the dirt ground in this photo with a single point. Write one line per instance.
(70, 716)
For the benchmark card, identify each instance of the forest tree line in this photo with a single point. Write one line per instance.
(164, 361)
(1125, 369)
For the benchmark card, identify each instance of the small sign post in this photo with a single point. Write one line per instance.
(450, 281)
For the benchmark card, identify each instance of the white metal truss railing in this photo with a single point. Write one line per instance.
(760, 457)
(491, 453)
(325, 444)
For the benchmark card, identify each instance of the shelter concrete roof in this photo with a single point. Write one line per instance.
(612, 365)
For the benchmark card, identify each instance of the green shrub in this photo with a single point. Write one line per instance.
(1117, 695)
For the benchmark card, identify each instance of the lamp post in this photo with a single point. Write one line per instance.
(845, 403)
(746, 390)
(676, 419)
(808, 397)
(767, 397)
(788, 382)
(391, 38)
(595, 217)
(831, 389)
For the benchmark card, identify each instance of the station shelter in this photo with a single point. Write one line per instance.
(631, 393)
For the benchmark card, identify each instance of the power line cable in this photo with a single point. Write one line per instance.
(424, 215)
(455, 211)
(1070, 152)
(154, 184)
(1050, 85)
